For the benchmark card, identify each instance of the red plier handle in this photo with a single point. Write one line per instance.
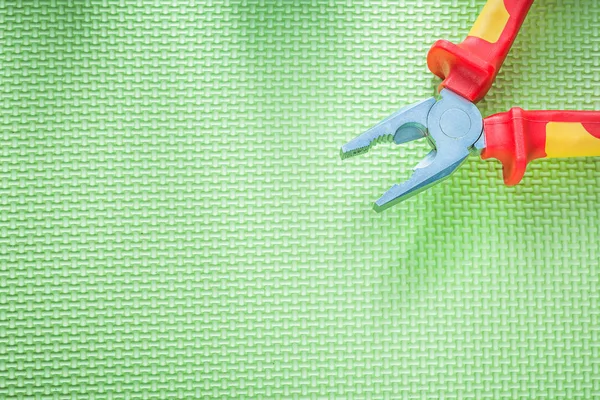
(517, 137)
(470, 67)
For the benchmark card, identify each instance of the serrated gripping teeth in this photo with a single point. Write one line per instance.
(405, 125)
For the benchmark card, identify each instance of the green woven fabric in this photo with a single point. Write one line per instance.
(176, 222)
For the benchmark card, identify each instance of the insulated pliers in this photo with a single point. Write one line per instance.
(455, 128)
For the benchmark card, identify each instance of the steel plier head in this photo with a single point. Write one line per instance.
(452, 125)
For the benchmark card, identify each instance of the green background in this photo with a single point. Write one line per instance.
(176, 222)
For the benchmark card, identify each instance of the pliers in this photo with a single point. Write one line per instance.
(455, 128)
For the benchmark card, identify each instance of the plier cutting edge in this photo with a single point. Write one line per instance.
(455, 128)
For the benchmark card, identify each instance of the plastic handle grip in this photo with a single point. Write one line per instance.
(470, 67)
(517, 137)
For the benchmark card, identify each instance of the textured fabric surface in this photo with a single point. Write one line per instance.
(176, 222)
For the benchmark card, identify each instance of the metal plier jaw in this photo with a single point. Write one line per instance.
(452, 125)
